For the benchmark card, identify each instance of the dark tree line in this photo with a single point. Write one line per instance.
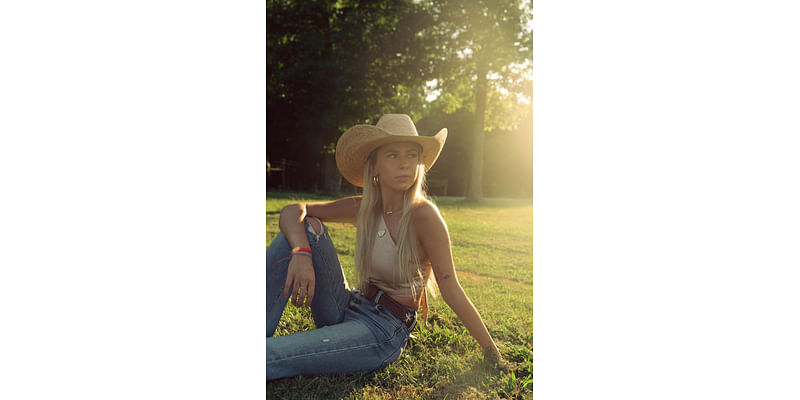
(333, 64)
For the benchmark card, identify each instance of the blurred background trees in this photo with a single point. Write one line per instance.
(463, 65)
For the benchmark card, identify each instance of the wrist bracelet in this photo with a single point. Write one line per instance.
(301, 250)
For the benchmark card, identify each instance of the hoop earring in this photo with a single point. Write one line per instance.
(375, 180)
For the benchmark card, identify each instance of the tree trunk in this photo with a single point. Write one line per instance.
(475, 191)
(333, 181)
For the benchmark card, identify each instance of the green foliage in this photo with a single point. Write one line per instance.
(489, 37)
(488, 47)
(443, 360)
(332, 64)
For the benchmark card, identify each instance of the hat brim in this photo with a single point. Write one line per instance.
(357, 143)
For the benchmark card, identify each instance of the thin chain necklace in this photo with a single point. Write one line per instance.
(393, 211)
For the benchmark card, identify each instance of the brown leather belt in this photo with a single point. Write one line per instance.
(400, 311)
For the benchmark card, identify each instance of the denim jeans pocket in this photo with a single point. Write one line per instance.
(383, 323)
(383, 329)
(393, 356)
(393, 320)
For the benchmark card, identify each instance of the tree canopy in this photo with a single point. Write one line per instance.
(333, 64)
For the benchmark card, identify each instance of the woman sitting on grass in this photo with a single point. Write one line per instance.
(400, 238)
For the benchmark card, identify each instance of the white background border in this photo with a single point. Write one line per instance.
(666, 222)
(132, 154)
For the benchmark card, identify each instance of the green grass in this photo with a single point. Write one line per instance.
(492, 249)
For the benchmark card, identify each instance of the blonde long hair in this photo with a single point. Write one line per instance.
(367, 224)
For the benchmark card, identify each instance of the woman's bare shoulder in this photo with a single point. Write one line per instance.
(432, 232)
(426, 214)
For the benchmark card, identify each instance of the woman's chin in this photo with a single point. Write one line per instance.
(397, 188)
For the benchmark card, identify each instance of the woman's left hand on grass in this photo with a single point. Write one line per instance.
(493, 357)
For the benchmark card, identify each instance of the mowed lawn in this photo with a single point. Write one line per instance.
(492, 249)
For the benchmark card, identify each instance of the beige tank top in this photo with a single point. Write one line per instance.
(384, 270)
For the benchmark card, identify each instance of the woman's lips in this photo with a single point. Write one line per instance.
(403, 178)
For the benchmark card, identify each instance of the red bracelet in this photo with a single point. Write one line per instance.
(301, 250)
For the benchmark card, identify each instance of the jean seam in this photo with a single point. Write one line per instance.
(386, 360)
(339, 310)
(275, 300)
(378, 344)
(393, 319)
(378, 311)
(325, 273)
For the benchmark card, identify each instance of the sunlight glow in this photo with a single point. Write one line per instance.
(431, 93)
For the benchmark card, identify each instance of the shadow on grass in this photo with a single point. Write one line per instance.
(318, 387)
(467, 384)
(468, 381)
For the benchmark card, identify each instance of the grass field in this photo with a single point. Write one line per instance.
(493, 257)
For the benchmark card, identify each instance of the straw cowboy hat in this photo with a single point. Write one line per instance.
(356, 144)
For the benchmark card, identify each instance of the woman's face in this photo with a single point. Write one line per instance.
(396, 165)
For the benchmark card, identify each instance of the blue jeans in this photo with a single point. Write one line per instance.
(353, 334)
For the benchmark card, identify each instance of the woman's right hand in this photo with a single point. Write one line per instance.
(301, 273)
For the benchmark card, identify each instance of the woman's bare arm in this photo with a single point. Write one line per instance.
(301, 270)
(432, 232)
(292, 216)
(343, 210)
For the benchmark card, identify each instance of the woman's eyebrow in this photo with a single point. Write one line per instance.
(415, 150)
